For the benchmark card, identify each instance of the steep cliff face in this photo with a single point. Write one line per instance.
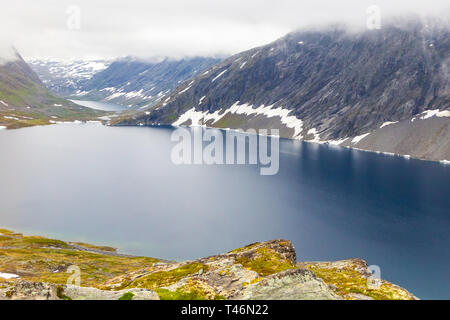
(325, 86)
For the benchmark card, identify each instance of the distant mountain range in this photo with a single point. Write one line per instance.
(130, 82)
(67, 77)
(383, 90)
(25, 101)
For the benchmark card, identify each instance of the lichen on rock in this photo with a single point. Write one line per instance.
(263, 271)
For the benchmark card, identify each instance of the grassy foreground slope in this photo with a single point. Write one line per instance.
(266, 270)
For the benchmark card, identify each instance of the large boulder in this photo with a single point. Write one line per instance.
(295, 284)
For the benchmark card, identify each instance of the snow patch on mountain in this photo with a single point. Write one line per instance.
(199, 118)
(388, 123)
(66, 77)
(337, 142)
(220, 74)
(431, 113)
(359, 138)
(183, 91)
(313, 132)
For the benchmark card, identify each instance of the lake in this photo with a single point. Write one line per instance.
(101, 105)
(118, 186)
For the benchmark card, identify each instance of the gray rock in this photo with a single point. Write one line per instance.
(359, 296)
(25, 290)
(297, 284)
(82, 293)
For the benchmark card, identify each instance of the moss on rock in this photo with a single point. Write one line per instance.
(165, 278)
(265, 262)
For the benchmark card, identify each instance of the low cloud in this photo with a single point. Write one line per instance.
(64, 29)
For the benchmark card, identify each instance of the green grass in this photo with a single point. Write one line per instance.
(193, 290)
(349, 281)
(266, 262)
(60, 293)
(5, 231)
(44, 242)
(35, 260)
(166, 278)
(90, 246)
(231, 121)
(248, 247)
(127, 296)
(165, 294)
(29, 99)
(171, 118)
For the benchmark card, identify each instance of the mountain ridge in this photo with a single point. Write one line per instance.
(25, 101)
(138, 83)
(331, 86)
(66, 77)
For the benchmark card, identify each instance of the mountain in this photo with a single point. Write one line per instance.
(25, 101)
(383, 90)
(67, 77)
(133, 82)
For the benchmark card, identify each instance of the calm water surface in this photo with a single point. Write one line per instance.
(117, 186)
(101, 105)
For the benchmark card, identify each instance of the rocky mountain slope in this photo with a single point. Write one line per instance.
(329, 86)
(38, 268)
(25, 101)
(64, 78)
(137, 83)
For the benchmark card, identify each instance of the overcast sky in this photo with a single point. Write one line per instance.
(176, 28)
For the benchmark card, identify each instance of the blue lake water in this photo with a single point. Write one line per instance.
(101, 105)
(118, 186)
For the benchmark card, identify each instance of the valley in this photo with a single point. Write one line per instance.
(25, 101)
(346, 131)
(131, 82)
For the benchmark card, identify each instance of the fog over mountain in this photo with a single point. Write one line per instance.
(7, 53)
(383, 90)
(176, 28)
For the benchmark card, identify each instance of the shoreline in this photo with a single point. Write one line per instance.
(105, 123)
(324, 143)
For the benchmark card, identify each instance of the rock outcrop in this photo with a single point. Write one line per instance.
(25, 290)
(37, 269)
(261, 271)
(295, 284)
